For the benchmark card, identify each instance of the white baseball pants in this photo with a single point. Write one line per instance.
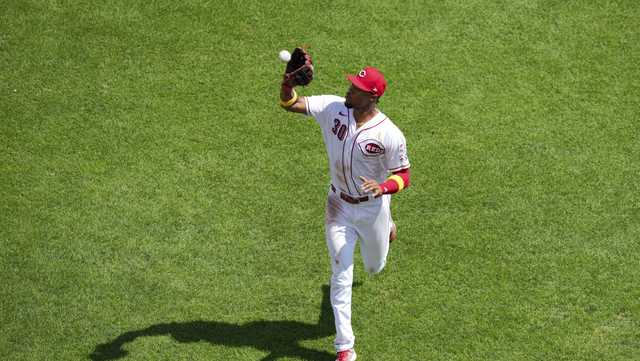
(346, 223)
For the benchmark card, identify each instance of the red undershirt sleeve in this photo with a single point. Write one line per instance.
(396, 182)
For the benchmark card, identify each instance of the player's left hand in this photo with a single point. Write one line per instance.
(299, 68)
(370, 185)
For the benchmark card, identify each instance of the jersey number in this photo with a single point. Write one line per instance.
(339, 129)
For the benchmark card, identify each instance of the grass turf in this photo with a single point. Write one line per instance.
(157, 204)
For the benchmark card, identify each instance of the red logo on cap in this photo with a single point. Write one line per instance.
(369, 80)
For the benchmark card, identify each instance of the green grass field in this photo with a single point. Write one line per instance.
(157, 204)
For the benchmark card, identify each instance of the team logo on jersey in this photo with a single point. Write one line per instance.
(371, 147)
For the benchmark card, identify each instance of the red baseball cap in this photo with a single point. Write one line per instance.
(369, 80)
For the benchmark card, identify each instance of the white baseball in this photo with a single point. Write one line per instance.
(285, 56)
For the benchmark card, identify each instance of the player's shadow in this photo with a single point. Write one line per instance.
(278, 338)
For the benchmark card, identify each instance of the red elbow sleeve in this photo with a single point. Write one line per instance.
(392, 185)
(404, 174)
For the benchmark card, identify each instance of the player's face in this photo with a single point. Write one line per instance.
(358, 99)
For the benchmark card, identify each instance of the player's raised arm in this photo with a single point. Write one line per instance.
(299, 71)
(291, 101)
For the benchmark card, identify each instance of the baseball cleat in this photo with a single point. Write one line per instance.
(347, 355)
(394, 232)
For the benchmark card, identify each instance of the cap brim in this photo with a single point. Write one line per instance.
(355, 81)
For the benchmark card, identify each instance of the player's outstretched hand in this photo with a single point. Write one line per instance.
(370, 185)
(299, 68)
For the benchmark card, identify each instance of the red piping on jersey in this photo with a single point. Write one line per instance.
(399, 168)
(343, 145)
(353, 147)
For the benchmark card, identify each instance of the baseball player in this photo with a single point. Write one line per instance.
(368, 162)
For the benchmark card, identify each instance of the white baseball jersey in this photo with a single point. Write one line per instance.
(372, 151)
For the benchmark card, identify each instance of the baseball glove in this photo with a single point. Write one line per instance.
(299, 68)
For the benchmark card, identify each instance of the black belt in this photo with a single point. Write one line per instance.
(349, 199)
